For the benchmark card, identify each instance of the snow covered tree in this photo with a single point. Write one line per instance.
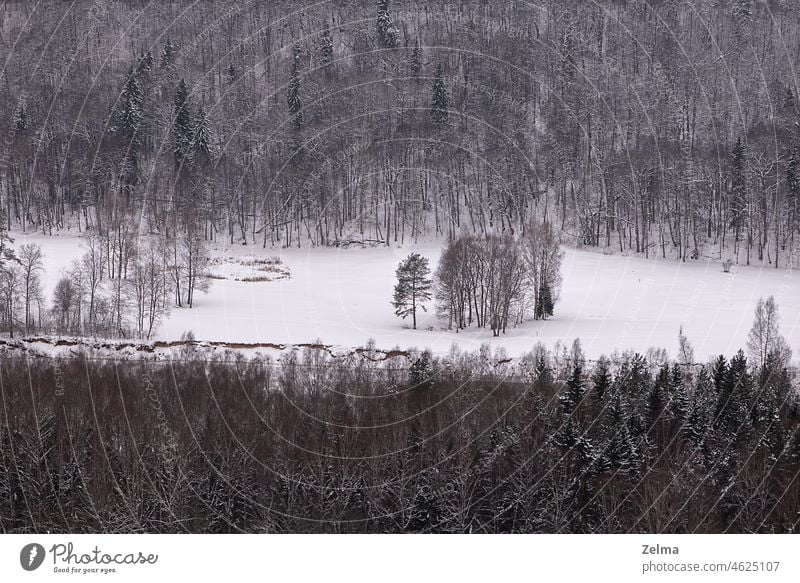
(168, 54)
(21, 118)
(420, 374)
(440, 102)
(574, 391)
(765, 338)
(415, 62)
(30, 258)
(182, 129)
(293, 93)
(413, 287)
(387, 33)
(543, 261)
(544, 302)
(601, 380)
(738, 190)
(201, 143)
(326, 51)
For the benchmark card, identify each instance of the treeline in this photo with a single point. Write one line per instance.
(462, 445)
(654, 127)
(121, 286)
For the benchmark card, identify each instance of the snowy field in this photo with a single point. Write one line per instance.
(342, 297)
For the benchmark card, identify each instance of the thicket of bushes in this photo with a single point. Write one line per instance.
(461, 444)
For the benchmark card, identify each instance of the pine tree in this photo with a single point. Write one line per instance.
(601, 380)
(415, 63)
(201, 144)
(421, 372)
(414, 286)
(544, 301)
(792, 190)
(387, 33)
(168, 54)
(21, 118)
(738, 189)
(440, 100)
(326, 52)
(293, 93)
(719, 373)
(6, 251)
(129, 112)
(679, 399)
(575, 389)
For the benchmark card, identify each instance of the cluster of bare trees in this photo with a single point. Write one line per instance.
(555, 445)
(120, 286)
(496, 280)
(284, 123)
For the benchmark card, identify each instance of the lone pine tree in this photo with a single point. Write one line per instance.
(413, 287)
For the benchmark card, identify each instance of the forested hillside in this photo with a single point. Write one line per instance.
(665, 128)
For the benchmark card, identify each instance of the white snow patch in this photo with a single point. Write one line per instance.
(342, 297)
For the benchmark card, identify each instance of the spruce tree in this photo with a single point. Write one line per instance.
(601, 380)
(293, 93)
(21, 118)
(326, 52)
(201, 144)
(387, 33)
(421, 372)
(182, 126)
(574, 391)
(738, 189)
(129, 112)
(168, 55)
(544, 301)
(413, 288)
(439, 101)
(415, 63)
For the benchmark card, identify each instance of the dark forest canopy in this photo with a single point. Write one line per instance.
(557, 445)
(666, 128)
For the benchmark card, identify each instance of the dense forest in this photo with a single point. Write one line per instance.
(555, 444)
(658, 127)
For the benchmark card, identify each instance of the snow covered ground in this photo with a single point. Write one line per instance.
(342, 297)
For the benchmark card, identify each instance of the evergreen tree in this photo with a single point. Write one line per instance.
(439, 101)
(544, 301)
(129, 112)
(414, 286)
(732, 404)
(601, 380)
(293, 93)
(575, 390)
(738, 189)
(182, 129)
(421, 372)
(21, 118)
(415, 63)
(719, 373)
(6, 251)
(201, 144)
(387, 33)
(168, 54)
(326, 52)
(679, 399)
(144, 65)
(792, 190)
